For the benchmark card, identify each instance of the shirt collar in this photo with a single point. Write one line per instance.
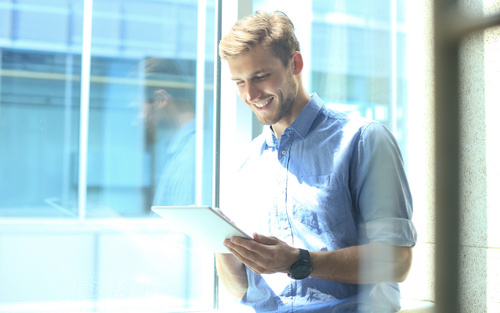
(302, 124)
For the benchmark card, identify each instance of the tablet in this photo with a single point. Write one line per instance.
(202, 223)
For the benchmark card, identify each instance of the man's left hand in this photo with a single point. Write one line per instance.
(263, 255)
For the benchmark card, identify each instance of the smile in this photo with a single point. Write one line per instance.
(263, 104)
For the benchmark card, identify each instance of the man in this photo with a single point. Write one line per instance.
(327, 193)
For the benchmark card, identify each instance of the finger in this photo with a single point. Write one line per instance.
(240, 240)
(249, 252)
(250, 263)
(242, 246)
(250, 249)
(253, 244)
(265, 240)
(254, 248)
(267, 247)
(243, 256)
(260, 258)
(237, 244)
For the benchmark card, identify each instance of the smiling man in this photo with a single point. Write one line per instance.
(327, 192)
(272, 89)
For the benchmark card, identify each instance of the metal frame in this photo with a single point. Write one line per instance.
(84, 108)
(217, 122)
(237, 10)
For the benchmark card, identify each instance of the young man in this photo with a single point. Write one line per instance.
(328, 193)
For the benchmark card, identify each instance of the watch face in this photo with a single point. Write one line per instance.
(302, 268)
(300, 271)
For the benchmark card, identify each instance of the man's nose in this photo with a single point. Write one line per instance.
(252, 92)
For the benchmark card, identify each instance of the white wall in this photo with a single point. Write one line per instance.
(480, 153)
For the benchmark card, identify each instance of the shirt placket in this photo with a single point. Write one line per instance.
(284, 220)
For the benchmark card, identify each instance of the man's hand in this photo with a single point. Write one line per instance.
(364, 264)
(263, 255)
(370, 263)
(232, 274)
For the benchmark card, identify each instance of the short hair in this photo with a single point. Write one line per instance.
(274, 31)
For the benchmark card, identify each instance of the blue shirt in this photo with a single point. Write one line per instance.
(330, 182)
(177, 180)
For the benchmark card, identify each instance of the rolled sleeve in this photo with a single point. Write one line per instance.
(393, 231)
(380, 188)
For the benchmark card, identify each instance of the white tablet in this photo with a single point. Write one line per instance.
(202, 223)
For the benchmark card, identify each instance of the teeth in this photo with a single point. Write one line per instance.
(263, 104)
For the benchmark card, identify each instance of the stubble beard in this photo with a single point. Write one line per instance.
(284, 104)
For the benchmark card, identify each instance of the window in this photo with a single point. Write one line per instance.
(355, 53)
(91, 129)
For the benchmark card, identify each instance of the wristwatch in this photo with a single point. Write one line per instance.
(302, 268)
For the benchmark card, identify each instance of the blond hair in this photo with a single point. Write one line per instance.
(274, 31)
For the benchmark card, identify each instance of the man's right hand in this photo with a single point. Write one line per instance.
(232, 273)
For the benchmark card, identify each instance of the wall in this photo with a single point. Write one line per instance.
(480, 99)
(480, 152)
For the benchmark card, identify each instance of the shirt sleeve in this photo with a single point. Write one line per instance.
(380, 189)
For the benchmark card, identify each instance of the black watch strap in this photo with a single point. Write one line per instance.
(302, 268)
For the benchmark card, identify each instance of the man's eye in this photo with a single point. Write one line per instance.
(239, 82)
(262, 77)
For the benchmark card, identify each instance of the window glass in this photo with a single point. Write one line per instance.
(356, 54)
(147, 140)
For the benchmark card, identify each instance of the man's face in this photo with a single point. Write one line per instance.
(265, 85)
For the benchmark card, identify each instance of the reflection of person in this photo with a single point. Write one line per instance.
(170, 111)
(177, 179)
(332, 189)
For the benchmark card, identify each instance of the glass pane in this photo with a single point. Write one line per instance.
(353, 56)
(149, 142)
(39, 94)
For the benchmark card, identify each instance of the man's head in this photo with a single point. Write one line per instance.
(262, 53)
(273, 31)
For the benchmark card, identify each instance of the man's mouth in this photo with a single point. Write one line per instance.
(263, 104)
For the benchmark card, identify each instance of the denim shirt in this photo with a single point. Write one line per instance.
(177, 180)
(330, 182)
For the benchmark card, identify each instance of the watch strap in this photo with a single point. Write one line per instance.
(302, 268)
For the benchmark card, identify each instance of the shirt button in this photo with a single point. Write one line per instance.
(283, 152)
(286, 300)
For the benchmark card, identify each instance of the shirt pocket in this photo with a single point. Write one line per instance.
(313, 204)
(320, 181)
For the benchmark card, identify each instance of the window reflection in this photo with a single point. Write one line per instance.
(134, 55)
(142, 99)
(169, 116)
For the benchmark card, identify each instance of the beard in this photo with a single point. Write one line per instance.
(284, 104)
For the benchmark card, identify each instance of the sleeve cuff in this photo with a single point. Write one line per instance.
(393, 231)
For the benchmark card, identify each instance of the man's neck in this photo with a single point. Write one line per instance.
(300, 104)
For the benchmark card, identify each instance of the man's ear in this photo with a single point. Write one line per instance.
(297, 63)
